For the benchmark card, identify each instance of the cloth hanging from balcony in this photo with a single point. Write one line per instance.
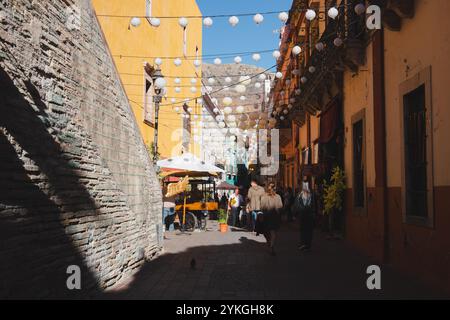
(329, 122)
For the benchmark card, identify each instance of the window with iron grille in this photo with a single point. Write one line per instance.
(415, 149)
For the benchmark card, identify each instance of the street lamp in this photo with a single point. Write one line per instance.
(160, 83)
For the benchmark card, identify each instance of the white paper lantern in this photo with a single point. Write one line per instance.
(233, 21)
(197, 63)
(312, 69)
(155, 22)
(242, 98)
(256, 57)
(320, 46)
(310, 14)
(216, 110)
(360, 9)
(193, 89)
(177, 62)
(240, 109)
(227, 79)
(177, 109)
(333, 13)
(238, 60)
(276, 54)
(217, 61)
(211, 80)
(227, 110)
(338, 42)
(177, 89)
(240, 88)
(262, 77)
(285, 111)
(245, 80)
(296, 50)
(173, 100)
(183, 22)
(257, 85)
(298, 91)
(258, 18)
(278, 75)
(207, 22)
(160, 83)
(135, 22)
(227, 101)
(193, 81)
(158, 61)
(304, 80)
(283, 16)
(282, 118)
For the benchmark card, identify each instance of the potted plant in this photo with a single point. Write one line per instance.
(334, 197)
(223, 219)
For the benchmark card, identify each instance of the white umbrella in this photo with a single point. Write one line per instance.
(188, 162)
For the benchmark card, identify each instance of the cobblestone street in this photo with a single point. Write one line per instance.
(237, 265)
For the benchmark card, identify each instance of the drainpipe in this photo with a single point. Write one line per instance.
(380, 135)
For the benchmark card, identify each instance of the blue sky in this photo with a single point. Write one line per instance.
(246, 36)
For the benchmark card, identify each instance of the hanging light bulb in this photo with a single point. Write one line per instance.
(135, 22)
(257, 85)
(283, 16)
(197, 63)
(296, 50)
(177, 89)
(320, 46)
(193, 89)
(155, 22)
(183, 22)
(276, 54)
(304, 80)
(278, 75)
(282, 118)
(193, 81)
(333, 13)
(240, 88)
(310, 14)
(258, 18)
(312, 69)
(240, 109)
(177, 62)
(360, 9)
(262, 77)
(177, 80)
(238, 60)
(227, 79)
(256, 56)
(227, 110)
(211, 80)
(173, 100)
(245, 80)
(207, 22)
(227, 101)
(177, 109)
(233, 21)
(158, 61)
(217, 61)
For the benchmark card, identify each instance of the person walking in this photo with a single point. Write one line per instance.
(306, 207)
(234, 205)
(271, 204)
(254, 197)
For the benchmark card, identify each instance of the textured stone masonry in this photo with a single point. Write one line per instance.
(76, 183)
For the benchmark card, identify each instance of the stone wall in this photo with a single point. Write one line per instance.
(77, 186)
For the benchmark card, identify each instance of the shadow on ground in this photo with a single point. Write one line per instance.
(243, 269)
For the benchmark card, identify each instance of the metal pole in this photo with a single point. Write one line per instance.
(157, 99)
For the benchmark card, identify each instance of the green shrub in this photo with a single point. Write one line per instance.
(223, 217)
(334, 191)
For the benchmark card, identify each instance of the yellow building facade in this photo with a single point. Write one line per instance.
(136, 43)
